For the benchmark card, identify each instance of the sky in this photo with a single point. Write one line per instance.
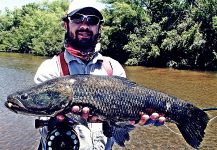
(16, 3)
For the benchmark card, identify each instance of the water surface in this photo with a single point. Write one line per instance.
(17, 131)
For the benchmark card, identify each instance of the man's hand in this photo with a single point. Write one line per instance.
(153, 119)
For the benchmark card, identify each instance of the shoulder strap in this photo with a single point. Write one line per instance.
(107, 66)
(64, 70)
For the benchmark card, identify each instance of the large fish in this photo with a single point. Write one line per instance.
(114, 99)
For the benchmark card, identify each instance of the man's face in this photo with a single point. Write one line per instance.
(83, 30)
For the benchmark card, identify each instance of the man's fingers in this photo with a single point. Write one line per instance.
(132, 122)
(75, 109)
(144, 119)
(162, 119)
(154, 116)
(85, 110)
(154, 119)
(85, 113)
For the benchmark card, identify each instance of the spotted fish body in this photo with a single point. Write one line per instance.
(114, 99)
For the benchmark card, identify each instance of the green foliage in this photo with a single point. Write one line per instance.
(214, 23)
(172, 33)
(122, 20)
(34, 28)
(167, 33)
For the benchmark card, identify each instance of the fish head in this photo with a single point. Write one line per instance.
(45, 99)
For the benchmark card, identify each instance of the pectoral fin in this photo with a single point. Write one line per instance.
(119, 132)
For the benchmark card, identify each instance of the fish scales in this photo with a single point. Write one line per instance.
(114, 98)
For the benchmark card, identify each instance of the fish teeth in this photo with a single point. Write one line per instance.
(10, 105)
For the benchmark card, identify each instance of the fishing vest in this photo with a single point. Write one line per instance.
(106, 64)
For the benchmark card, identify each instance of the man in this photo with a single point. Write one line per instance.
(83, 24)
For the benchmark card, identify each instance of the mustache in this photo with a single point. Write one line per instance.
(84, 30)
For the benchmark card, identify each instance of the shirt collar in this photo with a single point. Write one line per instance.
(97, 58)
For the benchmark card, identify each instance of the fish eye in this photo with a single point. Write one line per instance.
(24, 96)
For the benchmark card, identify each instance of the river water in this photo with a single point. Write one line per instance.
(17, 132)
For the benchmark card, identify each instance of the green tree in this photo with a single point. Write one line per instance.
(172, 33)
(34, 28)
(167, 33)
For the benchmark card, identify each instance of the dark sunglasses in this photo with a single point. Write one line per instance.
(79, 18)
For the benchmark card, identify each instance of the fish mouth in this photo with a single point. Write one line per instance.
(14, 106)
(18, 107)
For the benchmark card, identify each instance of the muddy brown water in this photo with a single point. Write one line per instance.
(17, 131)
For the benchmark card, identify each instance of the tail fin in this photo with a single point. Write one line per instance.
(193, 125)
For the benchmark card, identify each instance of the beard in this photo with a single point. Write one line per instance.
(88, 42)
